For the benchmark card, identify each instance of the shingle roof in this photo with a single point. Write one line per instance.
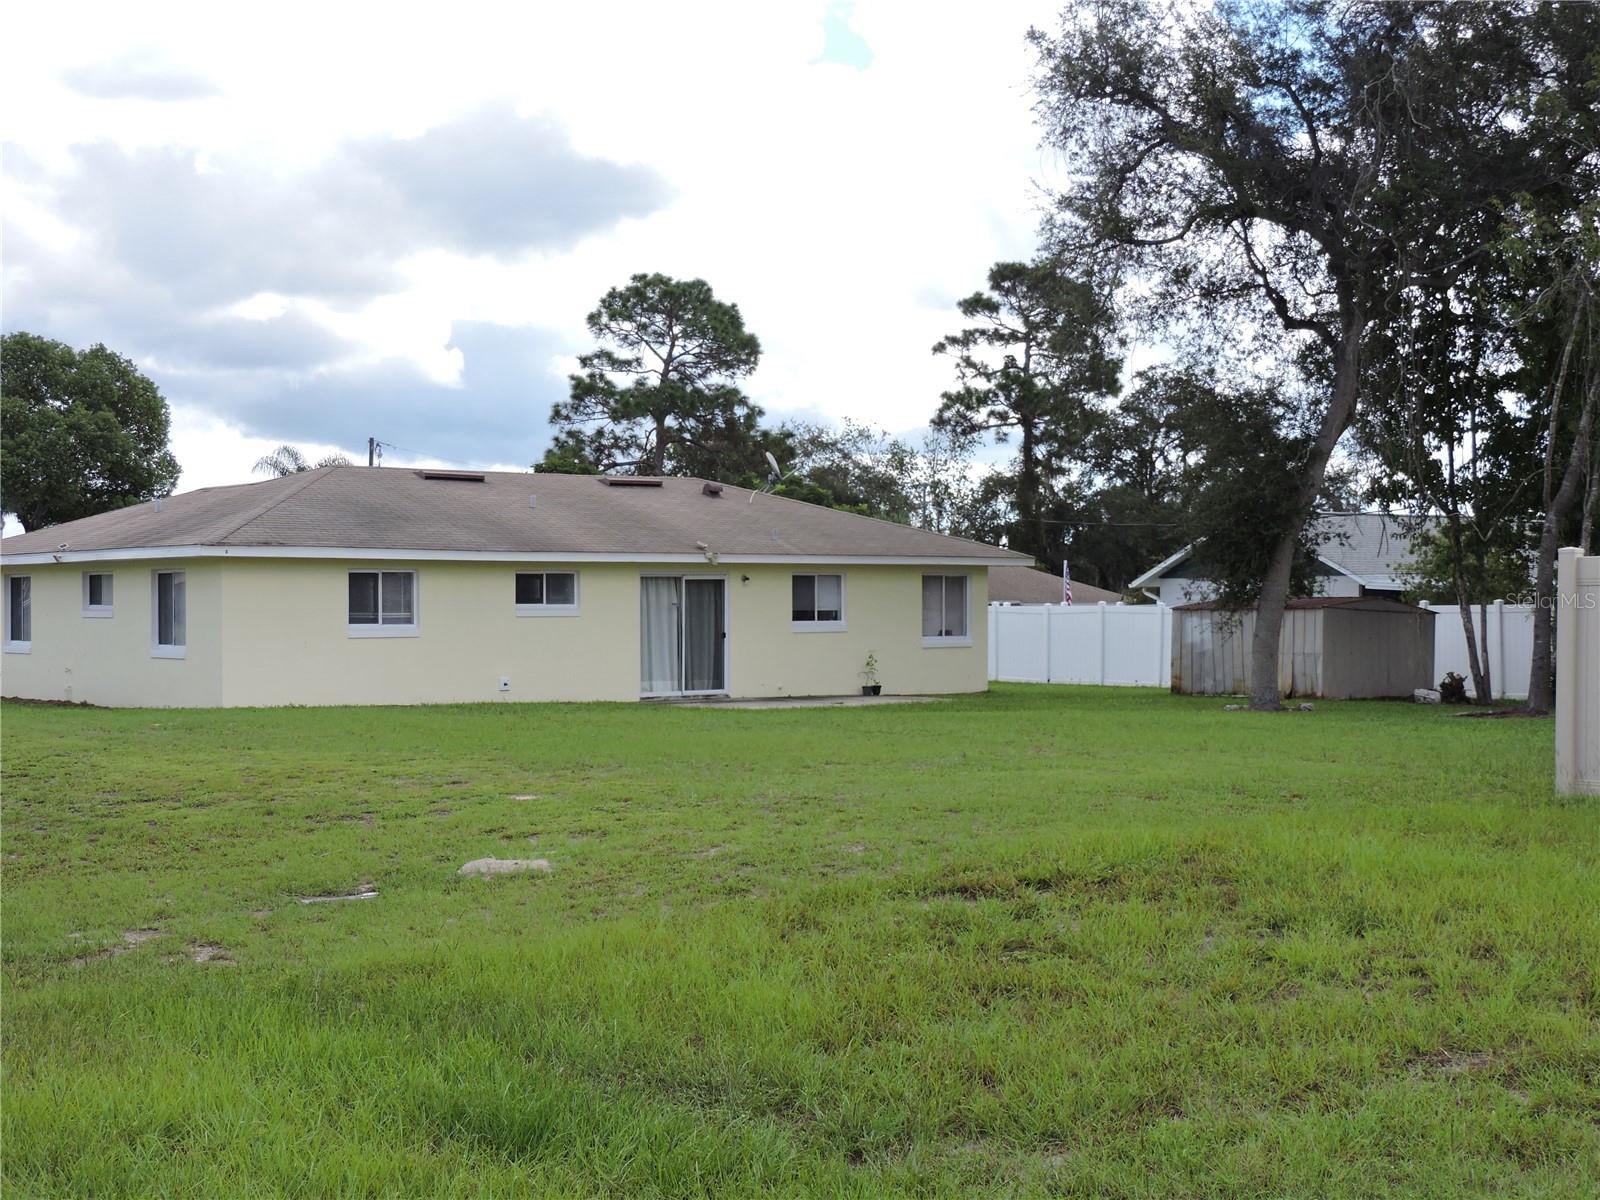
(1028, 585)
(1374, 548)
(394, 508)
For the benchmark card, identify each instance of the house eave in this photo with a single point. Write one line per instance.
(396, 554)
(1161, 568)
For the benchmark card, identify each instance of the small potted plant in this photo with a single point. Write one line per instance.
(869, 676)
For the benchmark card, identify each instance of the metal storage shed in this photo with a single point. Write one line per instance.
(1335, 647)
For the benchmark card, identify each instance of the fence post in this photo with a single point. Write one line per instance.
(1500, 643)
(1429, 608)
(1045, 609)
(1567, 636)
(1164, 646)
(994, 641)
(1102, 608)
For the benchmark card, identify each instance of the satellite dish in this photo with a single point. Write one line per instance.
(775, 476)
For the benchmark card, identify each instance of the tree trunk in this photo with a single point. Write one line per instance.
(1487, 696)
(657, 462)
(1541, 673)
(1591, 499)
(1029, 509)
(1274, 596)
(1477, 664)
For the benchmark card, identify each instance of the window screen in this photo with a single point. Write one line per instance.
(817, 598)
(383, 598)
(171, 608)
(19, 608)
(944, 606)
(547, 588)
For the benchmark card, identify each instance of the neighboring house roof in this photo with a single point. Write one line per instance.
(1028, 585)
(455, 514)
(1374, 549)
(1358, 603)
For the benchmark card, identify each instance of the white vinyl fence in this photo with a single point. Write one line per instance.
(1126, 645)
(1510, 645)
(1578, 672)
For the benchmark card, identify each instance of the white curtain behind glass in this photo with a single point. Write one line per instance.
(932, 605)
(955, 605)
(830, 597)
(180, 609)
(659, 660)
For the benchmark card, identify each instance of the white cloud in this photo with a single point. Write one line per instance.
(844, 209)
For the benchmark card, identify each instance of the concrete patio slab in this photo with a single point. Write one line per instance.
(810, 702)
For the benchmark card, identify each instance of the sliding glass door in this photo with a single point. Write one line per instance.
(683, 635)
(660, 635)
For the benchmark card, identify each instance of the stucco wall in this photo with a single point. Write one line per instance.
(883, 614)
(274, 631)
(468, 637)
(108, 660)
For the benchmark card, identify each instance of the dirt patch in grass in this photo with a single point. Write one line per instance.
(48, 703)
(1161, 880)
(130, 939)
(1456, 1062)
(365, 892)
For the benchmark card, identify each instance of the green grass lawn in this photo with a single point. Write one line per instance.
(1068, 941)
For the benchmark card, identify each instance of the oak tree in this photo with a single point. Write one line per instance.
(81, 432)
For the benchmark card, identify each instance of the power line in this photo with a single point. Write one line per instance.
(1111, 524)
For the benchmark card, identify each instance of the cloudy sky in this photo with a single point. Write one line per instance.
(319, 223)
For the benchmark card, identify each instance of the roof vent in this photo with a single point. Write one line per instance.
(628, 481)
(711, 489)
(459, 476)
(533, 501)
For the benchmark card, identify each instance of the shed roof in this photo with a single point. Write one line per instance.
(405, 509)
(1357, 603)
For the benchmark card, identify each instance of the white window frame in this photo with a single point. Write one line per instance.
(382, 630)
(547, 610)
(951, 640)
(839, 626)
(99, 610)
(10, 646)
(157, 648)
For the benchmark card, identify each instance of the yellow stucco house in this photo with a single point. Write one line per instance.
(384, 585)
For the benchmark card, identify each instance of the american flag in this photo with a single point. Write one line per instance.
(1066, 583)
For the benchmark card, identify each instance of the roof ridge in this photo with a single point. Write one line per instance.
(864, 516)
(312, 476)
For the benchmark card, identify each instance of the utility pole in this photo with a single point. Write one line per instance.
(372, 452)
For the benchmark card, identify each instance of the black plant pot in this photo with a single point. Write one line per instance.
(871, 689)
